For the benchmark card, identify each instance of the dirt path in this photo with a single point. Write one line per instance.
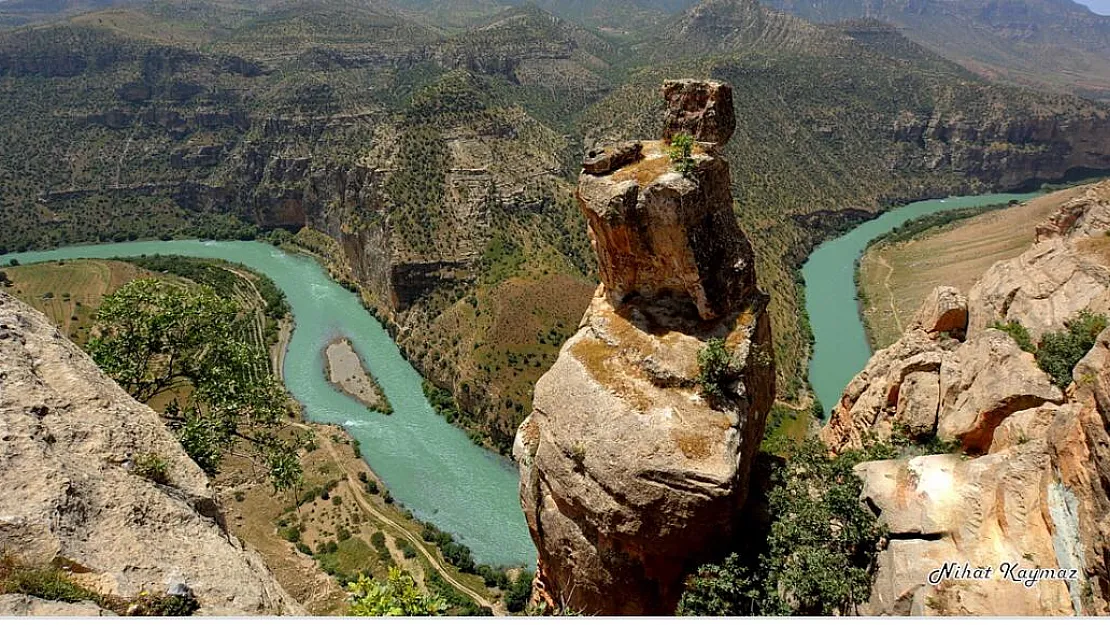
(805, 404)
(417, 542)
(889, 291)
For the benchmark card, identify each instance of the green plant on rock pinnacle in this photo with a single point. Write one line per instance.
(681, 153)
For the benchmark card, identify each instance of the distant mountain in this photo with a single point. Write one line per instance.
(613, 17)
(721, 26)
(1056, 43)
(20, 12)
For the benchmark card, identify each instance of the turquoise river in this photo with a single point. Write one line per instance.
(840, 349)
(428, 465)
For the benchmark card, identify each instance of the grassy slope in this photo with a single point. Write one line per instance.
(69, 292)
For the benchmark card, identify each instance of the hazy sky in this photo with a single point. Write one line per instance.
(1098, 6)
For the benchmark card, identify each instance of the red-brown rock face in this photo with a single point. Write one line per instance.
(658, 233)
(702, 109)
(630, 475)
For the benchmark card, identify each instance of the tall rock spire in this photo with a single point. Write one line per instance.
(634, 467)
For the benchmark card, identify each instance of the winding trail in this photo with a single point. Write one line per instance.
(417, 542)
(889, 291)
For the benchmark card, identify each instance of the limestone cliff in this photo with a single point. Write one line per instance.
(631, 473)
(1030, 487)
(69, 440)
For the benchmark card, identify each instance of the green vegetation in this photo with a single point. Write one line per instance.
(919, 225)
(1018, 332)
(516, 598)
(715, 369)
(455, 553)
(786, 426)
(153, 337)
(458, 603)
(347, 559)
(1058, 352)
(407, 549)
(152, 467)
(218, 275)
(819, 554)
(397, 596)
(681, 153)
(54, 584)
(494, 577)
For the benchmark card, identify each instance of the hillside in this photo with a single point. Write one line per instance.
(613, 18)
(78, 500)
(1060, 44)
(438, 162)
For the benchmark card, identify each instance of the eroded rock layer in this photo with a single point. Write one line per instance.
(631, 472)
(1028, 490)
(69, 439)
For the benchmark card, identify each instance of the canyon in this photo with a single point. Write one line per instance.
(442, 162)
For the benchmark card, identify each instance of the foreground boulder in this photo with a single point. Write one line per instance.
(632, 473)
(943, 312)
(1028, 489)
(71, 495)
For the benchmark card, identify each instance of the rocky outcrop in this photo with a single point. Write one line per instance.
(1029, 489)
(1062, 274)
(71, 438)
(631, 473)
(23, 605)
(1008, 151)
(698, 108)
(944, 311)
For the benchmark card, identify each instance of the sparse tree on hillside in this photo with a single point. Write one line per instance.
(819, 555)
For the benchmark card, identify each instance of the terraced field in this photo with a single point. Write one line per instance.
(69, 292)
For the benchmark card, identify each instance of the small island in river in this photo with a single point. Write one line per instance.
(346, 371)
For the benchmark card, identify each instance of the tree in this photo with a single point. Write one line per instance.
(820, 550)
(715, 368)
(152, 337)
(516, 599)
(726, 589)
(398, 596)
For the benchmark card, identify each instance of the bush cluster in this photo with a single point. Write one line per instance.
(1058, 352)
